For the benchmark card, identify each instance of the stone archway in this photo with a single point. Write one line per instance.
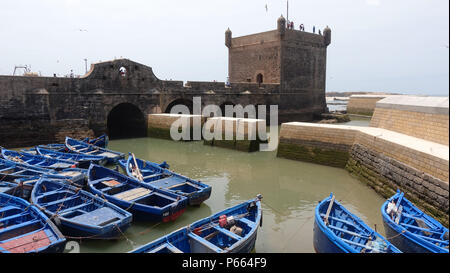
(186, 102)
(126, 120)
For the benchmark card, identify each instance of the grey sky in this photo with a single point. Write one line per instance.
(377, 45)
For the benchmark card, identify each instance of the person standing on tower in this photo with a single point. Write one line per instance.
(314, 29)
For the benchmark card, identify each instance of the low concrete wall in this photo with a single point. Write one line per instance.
(385, 160)
(237, 133)
(363, 104)
(422, 117)
(158, 125)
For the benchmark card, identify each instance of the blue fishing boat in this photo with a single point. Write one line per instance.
(154, 175)
(84, 161)
(25, 229)
(145, 202)
(410, 229)
(57, 147)
(6, 186)
(88, 149)
(233, 230)
(101, 141)
(79, 213)
(10, 171)
(21, 187)
(337, 230)
(38, 160)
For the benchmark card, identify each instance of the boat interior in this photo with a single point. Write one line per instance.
(21, 231)
(350, 231)
(77, 207)
(132, 193)
(421, 225)
(212, 239)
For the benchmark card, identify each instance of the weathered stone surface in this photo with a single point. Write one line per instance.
(293, 69)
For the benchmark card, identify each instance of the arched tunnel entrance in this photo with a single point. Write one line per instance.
(185, 102)
(126, 121)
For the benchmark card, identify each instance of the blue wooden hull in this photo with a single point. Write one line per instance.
(337, 230)
(209, 235)
(24, 228)
(407, 234)
(161, 178)
(84, 161)
(78, 213)
(101, 141)
(84, 148)
(38, 160)
(149, 205)
(322, 243)
(11, 171)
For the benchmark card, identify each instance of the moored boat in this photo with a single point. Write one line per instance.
(158, 177)
(88, 149)
(145, 202)
(25, 229)
(337, 230)
(84, 161)
(38, 160)
(101, 141)
(412, 230)
(10, 171)
(233, 230)
(79, 213)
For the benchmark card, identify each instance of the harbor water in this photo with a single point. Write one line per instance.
(290, 190)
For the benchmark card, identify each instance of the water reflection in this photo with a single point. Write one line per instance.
(290, 190)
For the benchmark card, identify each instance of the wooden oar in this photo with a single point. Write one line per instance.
(140, 177)
(329, 210)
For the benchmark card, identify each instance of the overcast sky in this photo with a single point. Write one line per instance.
(377, 45)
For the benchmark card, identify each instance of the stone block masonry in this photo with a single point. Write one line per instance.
(422, 117)
(383, 159)
(158, 125)
(363, 104)
(237, 133)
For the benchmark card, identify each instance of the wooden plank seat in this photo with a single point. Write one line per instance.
(111, 183)
(246, 221)
(26, 243)
(107, 154)
(98, 217)
(167, 245)
(152, 175)
(228, 233)
(132, 194)
(70, 173)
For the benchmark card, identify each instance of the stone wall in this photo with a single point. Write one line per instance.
(159, 125)
(363, 104)
(384, 159)
(422, 117)
(319, 144)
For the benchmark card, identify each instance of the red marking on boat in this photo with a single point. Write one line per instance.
(173, 216)
(27, 243)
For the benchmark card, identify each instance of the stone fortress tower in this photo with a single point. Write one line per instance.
(292, 58)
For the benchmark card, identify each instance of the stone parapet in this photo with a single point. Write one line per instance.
(363, 104)
(386, 160)
(422, 117)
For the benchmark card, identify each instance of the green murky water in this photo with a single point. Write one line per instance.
(290, 190)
